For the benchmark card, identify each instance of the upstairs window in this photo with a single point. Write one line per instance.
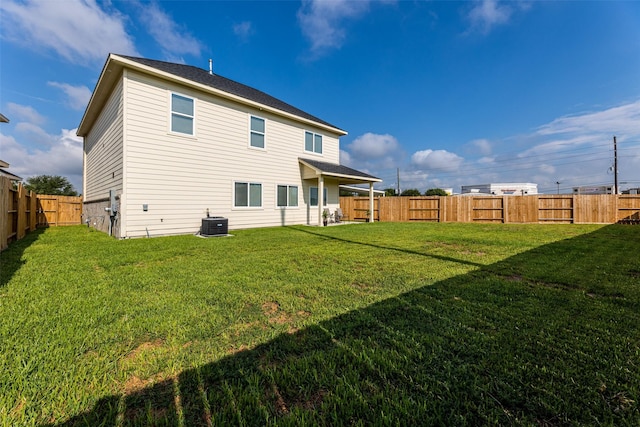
(313, 142)
(248, 194)
(182, 114)
(287, 195)
(257, 132)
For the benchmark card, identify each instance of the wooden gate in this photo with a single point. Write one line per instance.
(59, 210)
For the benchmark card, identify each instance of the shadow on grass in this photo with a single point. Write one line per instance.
(389, 248)
(11, 258)
(547, 337)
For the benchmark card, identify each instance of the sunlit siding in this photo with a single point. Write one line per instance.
(179, 177)
(103, 150)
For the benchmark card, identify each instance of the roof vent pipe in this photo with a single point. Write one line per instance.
(210, 66)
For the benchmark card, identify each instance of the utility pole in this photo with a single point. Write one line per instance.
(615, 166)
(558, 184)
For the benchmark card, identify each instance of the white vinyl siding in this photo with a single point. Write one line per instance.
(257, 134)
(313, 142)
(182, 114)
(179, 182)
(103, 150)
(287, 195)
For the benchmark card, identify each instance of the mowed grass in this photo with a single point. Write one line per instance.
(370, 324)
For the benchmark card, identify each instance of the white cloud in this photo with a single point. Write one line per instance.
(373, 153)
(243, 30)
(78, 30)
(24, 113)
(622, 119)
(587, 130)
(438, 160)
(547, 169)
(173, 39)
(482, 146)
(373, 146)
(321, 20)
(414, 179)
(77, 96)
(486, 14)
(486, 160)
(62, 156)
(541, 146)
(345, 158)
(33, 133)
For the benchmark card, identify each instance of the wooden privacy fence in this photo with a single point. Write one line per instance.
(538, 208)
(22, 211)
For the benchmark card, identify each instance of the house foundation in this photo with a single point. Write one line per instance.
(96, 214)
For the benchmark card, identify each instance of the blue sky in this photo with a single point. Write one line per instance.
(451, 93)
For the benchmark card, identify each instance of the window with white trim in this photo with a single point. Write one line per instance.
(247, 194)
(182, 114)
(287, 196)
(313, 196)
(313, 142)
(257, 135)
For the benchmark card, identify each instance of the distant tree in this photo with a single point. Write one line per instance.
(390, 192)
(50, 184)
(411, 192)
(435, 192)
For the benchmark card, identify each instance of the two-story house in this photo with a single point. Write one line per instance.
(165, 144)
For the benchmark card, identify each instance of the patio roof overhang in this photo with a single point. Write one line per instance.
(361, 191)
(315, 169)
(345, 175)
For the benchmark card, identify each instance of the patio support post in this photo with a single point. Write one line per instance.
(320, 199)
(371, 213)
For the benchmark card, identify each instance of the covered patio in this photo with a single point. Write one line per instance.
(320, 171)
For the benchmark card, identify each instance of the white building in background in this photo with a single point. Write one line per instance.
(593, 189)
(502, 189)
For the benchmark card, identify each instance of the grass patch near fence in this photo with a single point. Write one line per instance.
(384, 323)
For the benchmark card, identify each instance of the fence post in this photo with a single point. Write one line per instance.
(4, 212)
(33, 211)
(22, 213)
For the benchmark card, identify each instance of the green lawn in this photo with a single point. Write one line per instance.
(384, 323)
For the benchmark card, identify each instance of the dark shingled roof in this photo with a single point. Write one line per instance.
(224, 84)
(333, 168)
(10, 175)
